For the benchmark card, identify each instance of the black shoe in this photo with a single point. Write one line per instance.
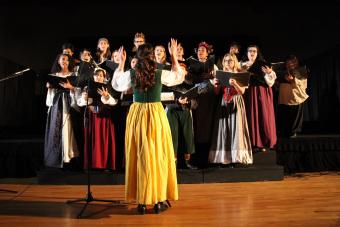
(141, 209)
(157, 208)
(230, 165)
(160, 207)
(240, 165)
(188, 165)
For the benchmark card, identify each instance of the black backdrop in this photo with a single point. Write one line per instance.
(32, 32)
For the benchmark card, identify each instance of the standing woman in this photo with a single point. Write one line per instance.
(160, 56)
(200, 72)
(103, 50)
(150, 176)
(231, 139)
(60, 142)
(181, 123)
(292, 96)
(101, 127)
(259, 100)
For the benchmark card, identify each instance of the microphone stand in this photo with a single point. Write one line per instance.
(16, 74)
(89, 197)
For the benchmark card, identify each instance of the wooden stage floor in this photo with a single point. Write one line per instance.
(300, 200)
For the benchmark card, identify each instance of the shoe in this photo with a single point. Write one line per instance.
(264, 149)
(293, 136)
(256, 149)
(157, 208)
(141, 209)
(160, 207)
(188, 165)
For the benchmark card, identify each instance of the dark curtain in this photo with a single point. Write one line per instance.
(22, 105)
(322, 110)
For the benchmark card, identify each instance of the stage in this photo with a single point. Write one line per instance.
(298, 200)
(22, 157)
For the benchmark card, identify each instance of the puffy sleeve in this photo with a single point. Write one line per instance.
(172, 78)
(111, 101)
(270, 78)
(121, 81)
(50, 95)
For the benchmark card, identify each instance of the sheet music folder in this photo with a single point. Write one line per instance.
(299, 73)
(55, 80)
(191, 93)
(93, 90)
(242, 78)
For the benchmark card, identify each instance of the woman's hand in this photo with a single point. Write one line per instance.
(172, 47)
(266, 69)
(67, 85)
(289, 78)
(104, 92)
(232, 82)
(122, 54)
(85, 96)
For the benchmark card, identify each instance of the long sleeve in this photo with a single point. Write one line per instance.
(74, 94)
(49, 97)
(83, 102)
(172, 78)
(111, 101)
(270, 78)
(121, 80)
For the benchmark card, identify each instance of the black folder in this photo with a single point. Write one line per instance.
(256, 68)
(299, 73)
(242, 78)
(55, 80)
(163, 66)
(200, 71)
(191, 93)
(93, 91)
(109, 66)
(85, 73)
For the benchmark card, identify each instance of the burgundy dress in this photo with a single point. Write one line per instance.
(260, 111)
(102, 132)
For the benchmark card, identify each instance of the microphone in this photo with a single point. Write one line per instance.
(22, 71)
(15, 74)
(278, 63)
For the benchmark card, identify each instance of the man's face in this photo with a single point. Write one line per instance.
(292, 64)
(234, 50)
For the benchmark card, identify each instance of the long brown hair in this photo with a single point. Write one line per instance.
(107, 54)
(145, 67)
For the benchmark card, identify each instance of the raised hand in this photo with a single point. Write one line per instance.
(172, 47)
(122, 54)
(104, 92)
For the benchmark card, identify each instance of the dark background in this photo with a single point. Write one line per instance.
(31, 35)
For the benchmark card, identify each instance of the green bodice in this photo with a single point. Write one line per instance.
(151, 95)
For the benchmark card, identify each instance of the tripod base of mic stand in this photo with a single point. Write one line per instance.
(89, 198)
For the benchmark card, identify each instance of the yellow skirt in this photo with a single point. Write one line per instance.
(150, 163)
